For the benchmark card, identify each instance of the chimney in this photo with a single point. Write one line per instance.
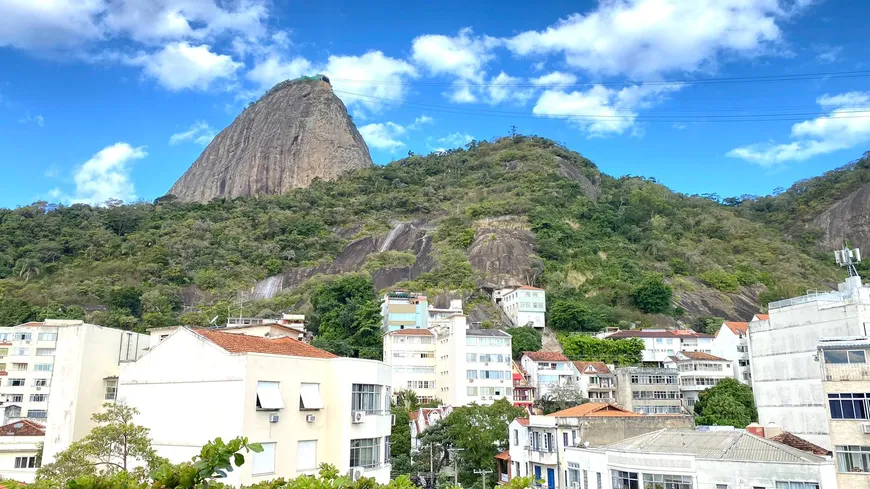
(756, 429)
(772, 429)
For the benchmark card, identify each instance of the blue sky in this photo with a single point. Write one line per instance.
(108, 99)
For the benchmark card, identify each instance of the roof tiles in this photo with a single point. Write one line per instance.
(412, 332)
(594, 410)
(600, 367)
(23, 427)
(239, 343)
(737, 327)
(545, 356)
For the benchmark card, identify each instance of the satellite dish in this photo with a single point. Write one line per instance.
(213, 319)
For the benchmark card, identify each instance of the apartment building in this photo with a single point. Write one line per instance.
(442, 315)
(660, 344)
(726, 458)
(538, 444)
(732, 342)
(59, 372)
(786, 378)
(404, 310)
(524, 390)
(546, 369)
(305, 406)
(19, 450)
(698, 372)
(595, 381)
(411, 355)
(525, 306)
(649, 390)
(424, 418)
(846, 383)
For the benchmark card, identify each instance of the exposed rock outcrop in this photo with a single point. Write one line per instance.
(503, 253)
(298, 131)
(848, 218)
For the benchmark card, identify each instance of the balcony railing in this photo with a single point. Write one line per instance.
(844, 372)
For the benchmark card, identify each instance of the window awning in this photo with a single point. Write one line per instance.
(269, 396)
(310, 396)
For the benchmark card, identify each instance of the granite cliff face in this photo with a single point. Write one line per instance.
(847, 219)
(298, 131)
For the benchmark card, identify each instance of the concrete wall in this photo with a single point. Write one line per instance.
(18, 446)
(848, 431)
(600, 431)
(625, 388)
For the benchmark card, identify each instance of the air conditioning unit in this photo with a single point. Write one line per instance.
(356, 473)
(392, 420)
(865, 427)
(39, 388)
(359, 416)
(310, 418)
(501, 381)
(575, 485)
(274, 418)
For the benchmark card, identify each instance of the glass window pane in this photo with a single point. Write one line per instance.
(857, 356)
(834, 356)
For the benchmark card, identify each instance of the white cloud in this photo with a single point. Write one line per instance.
(180, 66)
(505, 88)
(273, 70)
(383, 135)
(104, 177)
(463, 57)
(651, 37)
(49, 24)
(601, 111)
(846, 126)
(555, 78)
(423, 119)
(828, 54)
(37, 119)
(200, 133)
(455, 139)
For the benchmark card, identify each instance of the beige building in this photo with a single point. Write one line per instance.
(595, 380)
(411, 354)
(698, 371)
(846, 382)
(649, 390)
(305, 406)
(19, 446)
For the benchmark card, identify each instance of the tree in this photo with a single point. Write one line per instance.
(28, 268)
(591, 349)
(728, 403)
(559, 397)
(347, 317)
(400, 442)
(112, 446)
(14, 311)
(524, 339)
(653, 295)
(566, 315)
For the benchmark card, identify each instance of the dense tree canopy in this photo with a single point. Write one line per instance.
(729, 403)
(591, 349)
(524, 339)
(653, 295)
(347, 317)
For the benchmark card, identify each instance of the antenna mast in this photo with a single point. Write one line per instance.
(848, 258)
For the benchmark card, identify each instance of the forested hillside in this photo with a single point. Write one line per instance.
(520, 209)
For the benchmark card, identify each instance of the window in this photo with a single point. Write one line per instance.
(491, 374)
(471, 357)
(21, 337)
(44, 352)
(667, 481)
(111, 389)
(366, 397)
(585, 480)
(624, 480)
(269, 399)
(40, 382)
(853, 458)
(387, 450)
(848, 406)
(306, 455)
(565, 439)
(421, 384)
(43, 367)
(470, 341)
(471, 374)
(16, 382)
(19, 367)
(264, 462)
(471, 391)
(25, 462)
(797, 485)
(21, 352)
(845, 356)
(598, 474)
(516, 437)
(399, 354)
(38, 397)
(15, 398)
(37, 413)
(364, 452)
(309, 397)
(51, 336)
(721, 486)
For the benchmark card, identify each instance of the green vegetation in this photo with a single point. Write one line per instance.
(653, 295)
(559, 397)
(524, 339)
(347, 317)
(148, 264)
(729, 403)
(592, 349)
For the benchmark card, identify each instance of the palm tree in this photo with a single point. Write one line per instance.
(28, 268)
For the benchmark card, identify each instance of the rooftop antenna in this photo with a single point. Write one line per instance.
(848, 257)
(212, 322)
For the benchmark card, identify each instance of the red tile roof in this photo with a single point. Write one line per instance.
(22, 428)
(545, 356)
(505, 455)
(239, 343)
(522, 421)
(527, 287)
(699, 355)
(737, 327)
(762, 317)
(672, 333)
(600, 367)
(413, 332)
(594, 409)
(795, 441)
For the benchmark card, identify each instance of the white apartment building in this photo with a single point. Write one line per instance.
(698, 372)
(411, 354)
(451, 363)
(19, 447)
(305, 406)
(659, 344)
(546, 369)
(685, 459)
(732, 342)
(59, 372)
(526, 306)
(595, 380)
(786, 378)
(440, 316)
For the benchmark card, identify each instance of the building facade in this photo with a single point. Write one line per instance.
(846, 384)
(305, 406)
(786, 378)
(525, 306)
(660, 344)
(404, 310)
(684, 459)
(698, 372)
(732, 342)
(649, 390)
(19, 450)
(524, 390)
(411, 354)
(546, 370)
(595, 381)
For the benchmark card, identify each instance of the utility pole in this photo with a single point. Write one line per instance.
(483, 475)
(431, 464)
(453, 451)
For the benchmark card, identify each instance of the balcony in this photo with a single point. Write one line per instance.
(544, 457)
(846, 372)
